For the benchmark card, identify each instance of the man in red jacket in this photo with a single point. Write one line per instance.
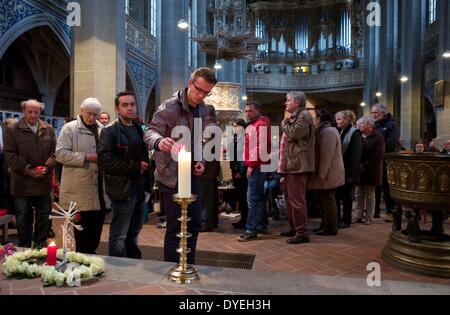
(256, 153)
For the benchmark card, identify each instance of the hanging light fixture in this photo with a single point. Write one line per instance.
(182, 24)
(217, 66)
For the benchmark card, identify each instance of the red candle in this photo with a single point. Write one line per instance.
(51, 254)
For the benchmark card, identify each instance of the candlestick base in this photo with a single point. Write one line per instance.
(183, 273)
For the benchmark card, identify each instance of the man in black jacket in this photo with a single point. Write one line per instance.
(124, 159)
(388, 128)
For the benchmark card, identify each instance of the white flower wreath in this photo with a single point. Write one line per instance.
(80, 267)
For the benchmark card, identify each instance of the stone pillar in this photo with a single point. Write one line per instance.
(174, 71)
(413, 24)
(387, 69)
(371, 62)
(98, 59)
(201, 11)
(443, 113)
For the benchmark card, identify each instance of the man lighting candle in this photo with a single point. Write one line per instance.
(180, 110)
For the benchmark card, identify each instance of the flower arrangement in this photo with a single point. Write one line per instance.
(7, 250)
(78, 267)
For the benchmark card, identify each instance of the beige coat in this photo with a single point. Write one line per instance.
(330, 172)
(79, 181)
(299, 149)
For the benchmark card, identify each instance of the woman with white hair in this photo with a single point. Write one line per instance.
(81, 179)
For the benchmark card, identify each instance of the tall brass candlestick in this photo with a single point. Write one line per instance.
(183, 273)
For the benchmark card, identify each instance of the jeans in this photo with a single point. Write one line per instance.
(173, 213)
(271, 191)
(255, 199)
(127, 222)
(25, 219)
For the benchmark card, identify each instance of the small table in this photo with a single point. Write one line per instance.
(4, 225)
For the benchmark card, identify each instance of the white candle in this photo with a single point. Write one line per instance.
(184, 173)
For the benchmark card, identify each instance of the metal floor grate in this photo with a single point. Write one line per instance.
(204, 257)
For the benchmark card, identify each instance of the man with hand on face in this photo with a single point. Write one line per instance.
(297, 161)
(30, 155)
(182, 109)
(124, 159)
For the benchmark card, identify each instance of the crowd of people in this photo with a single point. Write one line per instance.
(104, 164)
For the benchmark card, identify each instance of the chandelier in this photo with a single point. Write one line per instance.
(232, 38)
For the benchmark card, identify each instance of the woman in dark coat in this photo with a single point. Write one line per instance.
(351, 142)
(371, 168)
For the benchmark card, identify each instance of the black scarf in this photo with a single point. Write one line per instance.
(92, 128)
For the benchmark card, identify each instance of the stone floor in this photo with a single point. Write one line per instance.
(327, 265)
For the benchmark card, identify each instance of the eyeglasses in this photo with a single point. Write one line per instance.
(206, 93)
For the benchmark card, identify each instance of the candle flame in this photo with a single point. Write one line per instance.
(183, 149)
(53, 244)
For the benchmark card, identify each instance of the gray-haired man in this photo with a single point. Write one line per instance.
(30, 154)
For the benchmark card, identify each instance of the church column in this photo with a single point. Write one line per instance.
(413, 23)
(371, 62)
(201, 14)
(388, 72)
(174, 72)
(98, 59)
(443, 113)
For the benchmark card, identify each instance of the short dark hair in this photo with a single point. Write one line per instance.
(240, 122)
(109, 117)
(123, 93)
(323, 115)
(211, 111)
(255, 104)
(205, 73)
